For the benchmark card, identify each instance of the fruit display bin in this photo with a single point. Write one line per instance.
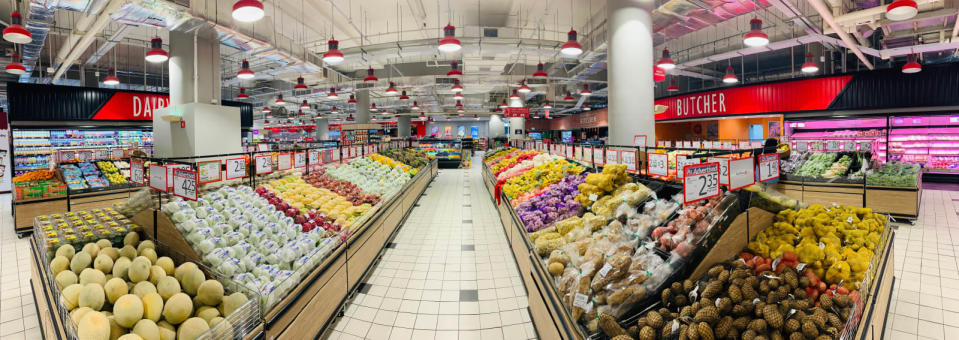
(553, 320)
(24, 211)
(55, 321)
(898, 202)
(312, 304)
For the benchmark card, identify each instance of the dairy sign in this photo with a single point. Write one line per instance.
(131, 106)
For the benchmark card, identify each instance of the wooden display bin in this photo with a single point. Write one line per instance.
(793, 190)
(24, 212)
(895, 201)
(829, 193)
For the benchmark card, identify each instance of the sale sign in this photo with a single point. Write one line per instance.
(612, 156)
(599, 158)
(683, 161)
(209, 171)
(700, 182)
(768, 167)
(136, 172)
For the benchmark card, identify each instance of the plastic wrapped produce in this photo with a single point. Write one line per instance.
(552, 205)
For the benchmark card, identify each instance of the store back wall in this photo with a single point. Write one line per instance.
(482, 125)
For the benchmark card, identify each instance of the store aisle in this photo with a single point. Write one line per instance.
(18, 312)
(448, 275)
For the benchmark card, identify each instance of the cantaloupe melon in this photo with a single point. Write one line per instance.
(112, 252)
(104, 243)
(231, 303)
(77, 314)
(67, 251)
(146, 244)
(191, 281)
(143, 288)
(94, 326)
(166, 263)
(131, 239)
(152, 306)
(114, 289)
(210, 292)
(71, 296)
(120, 267)
(128, 251)
(103, 263)
(168, 286)
(167, 325)
(146, 329)
(156, 273)
(59, 264)
(90, 275)
(130, 336)
(177, 308)
(65, 278)
(224, 331)
(139, 269)
(191, 329)
(183, 269)
(149, 253)
(91, 295)
(92, 249)
(128, 310)
(207, 313)
(115, 330)
(80, 261)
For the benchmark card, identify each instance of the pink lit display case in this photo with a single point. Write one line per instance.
(814, 134)
(932, 141)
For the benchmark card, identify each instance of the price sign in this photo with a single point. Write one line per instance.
(832, 146)
(588, 154)
(263, 164)
(768, 167)
(657, 164)
(697, 144)
(209, 172)
(116, 153)
(639, 140)
(103, 154)
(727, 145)
(136, 172)
(184, 183)
(235, 168)
(157, 177)
(802, 146)
(262, 147)
(628, 157)
(612, 156)
(284, 161)
(169, 172)
(578, 153)
(865, 145)
(687, 144)
(682, 162)
(668, 144)
(700, 181)
(85, 155)
(660, 143)
(314, 157)
(599, 158)
(756, 144)
(568, 151)
(723, 168)
(849, 145)
(707, 145)
(743, 145)
(299, 160)
(741, 173)
(539, 146)
(335, 155)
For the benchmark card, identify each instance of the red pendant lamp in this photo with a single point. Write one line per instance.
(111, 78)
(156, 54)
(352, 99)
(898, 10)
(515, 95)
(672, 86)
(586, 108)
(332, 94)
(373, 107)
(730, 77)
(911, 66)
(15, 33)
(523, 88)
(459, 104)
(334, 110)
(370, 76)
(475, 116)
(266, 109)
(422, 116)
(460, 110)
(809, 66)
(15, 67)
(585, 91)
(429, 119)
(391, 91)
(540, 73)
(242, 95)
(415, 106)
(350, 118)
(300, 84)
(333, 55)
(571, 48)
(756, 37)
(304, 104)
(247, 11)
(458, 95)
(454, 70)
(547, 106)
(449, 43)
(666, 62)
(503, 104)
(456, 88)
(300, 112)
(279, 100)
(403, 96)
(245, 72)
(569, 96)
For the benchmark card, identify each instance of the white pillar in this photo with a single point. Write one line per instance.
(495, 126)
(517, 127)
(322, 129)
(630, 73)
(362, 107)
(403, 126)
(199, 85)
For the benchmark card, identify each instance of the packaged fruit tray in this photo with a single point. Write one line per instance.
(157, 293)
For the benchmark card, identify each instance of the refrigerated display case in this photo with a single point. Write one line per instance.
(930, 141)
(816, 135)
(33, 148)
(448, 152)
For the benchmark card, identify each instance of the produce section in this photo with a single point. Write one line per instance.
(447, 152)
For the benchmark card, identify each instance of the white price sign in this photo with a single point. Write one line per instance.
(578, 153)
(756, 144)
(802, 145)
(299, 160)
(628, 157)
(741, 173)
(157, 177)
(697, 144)
(832, 146)
(263, 164)
(768, 167)
(169, 172)
(235, 168)
(335, 155)
(184, 183)
(865, 145)
(103, 154)
(598, 157)
(262, 147)
(682, 162)
(612, 156)
(723, 168)
(209, 172)
(743, 145)
(639, 140)
(700, 181)
(588, 154)
(849, 145)
(314, 157)
(116, 153)
(84, 155)
(657, 164)
(569, 151)
(668, 144)
(136, 172)
(727, 145)
(284, 161)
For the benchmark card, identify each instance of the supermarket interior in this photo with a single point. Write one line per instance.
(498, 169)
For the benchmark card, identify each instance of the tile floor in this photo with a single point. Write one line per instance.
(448, 274)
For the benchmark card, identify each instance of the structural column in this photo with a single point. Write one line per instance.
(403, 126)
(194, 67)
(630, 75)
(362, 106)
(517, 125)
(322, 129)
(495, 126)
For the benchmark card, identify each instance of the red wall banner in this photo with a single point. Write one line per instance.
(132, 106)
(800, 95)
(516, 112)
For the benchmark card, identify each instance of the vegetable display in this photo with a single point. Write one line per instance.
(555, 204)
(838, 168)
(894, 174)
(35, 175)
(371, 176)
(412, 157)
(539, 177)
(816, 164)
(346, 189)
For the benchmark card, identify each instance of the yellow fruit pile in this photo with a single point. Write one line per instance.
(597, 185)
(303, 196)
(508, 162)
(393, 163)
(836, 243)
(540, 176)
(495, 157)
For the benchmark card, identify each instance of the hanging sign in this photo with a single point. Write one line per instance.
(569, 151)
(516, 112)
(832, 146)
(116, 153)
(657, 164)
(697, 144)
(578, 153)
(157, 177)
(700, 181)
(768, 167)
(707, 144)
(660, 143)
(865, 145)
(639, 140)
(335, 155)
(284, 161)
(136, 172)
(299, 160)
(169, 172)
(612, 156)
(723, 168)
(802, 146)
(743, 145)
(756, 144)
(588, 154)
(849, 145)
(209, 171)
(741, 173)
(314, 157)
(235, 168)
(85, 155)
(539, 146)
(263, 164)
(102, 154)
(184, 183)
(628, 157)
(599, 157)
(682, 162)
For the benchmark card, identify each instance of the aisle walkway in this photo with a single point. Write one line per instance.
(18, 312)
(449, 275)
